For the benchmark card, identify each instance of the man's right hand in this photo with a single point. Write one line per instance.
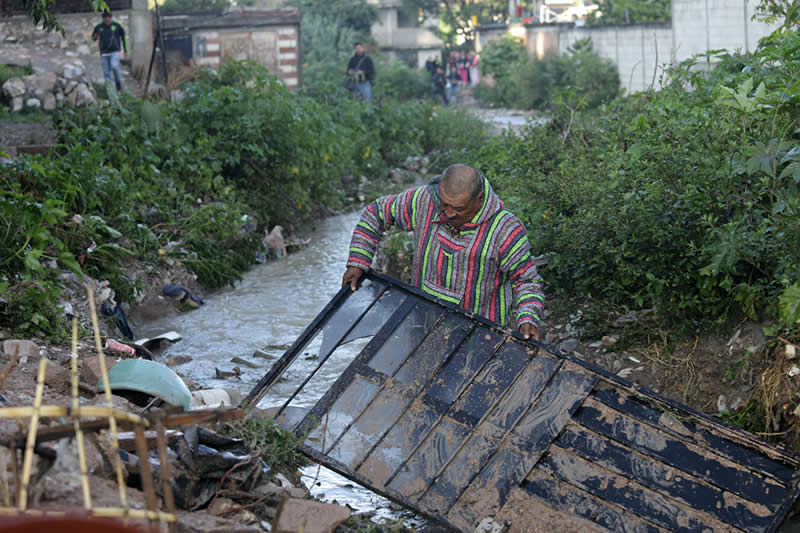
(352, 276)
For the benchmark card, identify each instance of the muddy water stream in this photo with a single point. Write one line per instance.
(267, 311)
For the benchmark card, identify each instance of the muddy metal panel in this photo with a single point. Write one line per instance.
(461, 420)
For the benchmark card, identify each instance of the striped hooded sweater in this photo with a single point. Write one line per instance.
(485, 266)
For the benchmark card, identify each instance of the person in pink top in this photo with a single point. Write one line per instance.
(463, 68)
(473, 68)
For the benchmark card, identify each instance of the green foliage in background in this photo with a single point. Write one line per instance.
(170, 182)
(527, 83)
(685, 199)
(630, 12)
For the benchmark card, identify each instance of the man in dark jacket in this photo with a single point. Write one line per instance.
(111, 39)
(361, 71)
(439, 83)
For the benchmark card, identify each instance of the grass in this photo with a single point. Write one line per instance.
(276, 446)
(14, 71)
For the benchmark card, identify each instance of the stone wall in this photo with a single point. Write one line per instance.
(47, 90)
(18, 30)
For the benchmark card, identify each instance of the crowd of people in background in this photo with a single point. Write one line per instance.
(461, 70)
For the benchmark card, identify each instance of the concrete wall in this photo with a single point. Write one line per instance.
(390, 37)
(642, 51)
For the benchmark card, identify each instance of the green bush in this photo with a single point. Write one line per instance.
(397, 81)
(686, 199)
(527, 83)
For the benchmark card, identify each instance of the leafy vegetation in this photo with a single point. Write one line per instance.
(276, 446)
(685, 199)
(630, 12)
(170, 182)
(580, 76)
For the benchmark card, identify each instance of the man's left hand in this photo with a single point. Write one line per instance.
(529, 331)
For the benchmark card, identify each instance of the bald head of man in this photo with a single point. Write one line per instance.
(460, 194)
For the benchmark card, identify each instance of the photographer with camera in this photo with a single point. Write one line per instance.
(360, 74)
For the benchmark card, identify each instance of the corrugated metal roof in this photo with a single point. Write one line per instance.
(460, 419)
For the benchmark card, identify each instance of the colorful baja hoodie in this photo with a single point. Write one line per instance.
(485, 266)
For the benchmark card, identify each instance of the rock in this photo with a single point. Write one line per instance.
(17, 104)
(596, 344)
(90, 370)
(203, 522)
(84, 96)
(625, 320)
(569, 345)
(83, 50)
(23, 348)
(11, 39)
(295, 515)
(46, 81)
(176, 360)
(33, 102)
(49, 103)
(609, 340)
(221, 506)
(58, 378)
(54, 39)
(72, 72)
(14, 87)
(722, 404)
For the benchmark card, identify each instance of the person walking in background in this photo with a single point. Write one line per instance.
(111, 40)
(453, 81)
(463, 69)
(361, 71)
(473, 68)
(439, 85)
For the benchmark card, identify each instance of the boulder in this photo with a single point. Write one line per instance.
(46, 81)
(49, 103)
(17, 103)
(14, 87)
(72, 72)
(295, 515)
(569, 345)
(83, 50)
(33, 102)
(81, 96)
(23, 348)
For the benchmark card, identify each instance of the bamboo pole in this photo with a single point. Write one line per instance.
(112, 421)
(82, 411)
(4, 468)
(27, 461)
(99, 512)
(166, 477)
(145, 471)
(87, 493)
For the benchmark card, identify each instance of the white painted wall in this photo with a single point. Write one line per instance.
(642, 51)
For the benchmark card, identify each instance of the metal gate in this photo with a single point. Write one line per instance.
(460, 419)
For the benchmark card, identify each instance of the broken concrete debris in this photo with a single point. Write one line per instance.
(308, 516)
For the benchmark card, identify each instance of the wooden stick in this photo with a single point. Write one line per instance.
(82, 411)
(145, 471)
(15, 473)
(27, 461)
(4, 468)
(87, 493)
(166, 477)
(99, 512)
(11, 365)
(112, 421)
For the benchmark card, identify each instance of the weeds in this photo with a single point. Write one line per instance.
(276, 446)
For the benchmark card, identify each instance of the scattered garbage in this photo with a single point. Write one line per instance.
(117, 346)
(234, 372)
(244, 362)
(205, 462)
(181, 294)
(117, 315)
(308, 516)
(159, 341)
(273, 240)
(140, 380)
(207, 398)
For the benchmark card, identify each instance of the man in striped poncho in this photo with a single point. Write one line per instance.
(468, 249)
